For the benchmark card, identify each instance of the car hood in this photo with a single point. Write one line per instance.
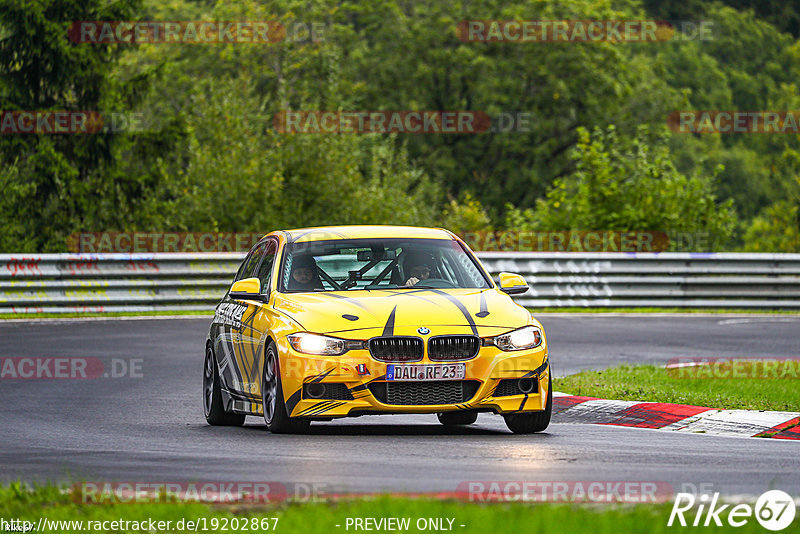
(483, 312)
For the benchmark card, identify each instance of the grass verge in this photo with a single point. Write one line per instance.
(322, 518)
(650, 383)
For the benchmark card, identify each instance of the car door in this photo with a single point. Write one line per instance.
(249, 343)
(234, 325)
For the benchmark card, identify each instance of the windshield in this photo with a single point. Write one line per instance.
(351, 264)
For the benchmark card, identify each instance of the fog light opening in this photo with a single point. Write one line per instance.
(526, 385)
(315, 391)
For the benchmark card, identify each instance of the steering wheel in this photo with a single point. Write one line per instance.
(439, 283)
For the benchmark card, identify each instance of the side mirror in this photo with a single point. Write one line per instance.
(513, 284)
(247, 289)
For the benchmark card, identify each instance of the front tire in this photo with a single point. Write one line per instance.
(212, 395)
(457, 418)
(529, 423)
(276, 415)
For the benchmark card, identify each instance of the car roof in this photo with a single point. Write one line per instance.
(324, 233)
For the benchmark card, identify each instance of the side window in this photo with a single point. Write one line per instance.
(265, 270)
(248, 268)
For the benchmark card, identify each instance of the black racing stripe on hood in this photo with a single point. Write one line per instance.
(460, 305)
(342, 297)
(484, 307)
(411, 294)
(388, 329)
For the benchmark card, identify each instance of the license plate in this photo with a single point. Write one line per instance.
(421, 373)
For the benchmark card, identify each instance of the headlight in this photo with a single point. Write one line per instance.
(308, 343)
(527, 337)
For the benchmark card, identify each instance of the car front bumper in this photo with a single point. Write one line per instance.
(355, 384)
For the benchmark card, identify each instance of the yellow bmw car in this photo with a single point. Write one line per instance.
(346, 321)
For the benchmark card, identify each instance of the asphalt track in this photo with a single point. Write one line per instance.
(151, 428)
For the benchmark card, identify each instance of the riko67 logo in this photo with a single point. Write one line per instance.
(774, 510)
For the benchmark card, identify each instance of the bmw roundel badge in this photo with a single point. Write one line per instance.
(424, 331)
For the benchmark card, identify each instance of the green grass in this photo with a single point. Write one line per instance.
(322, 518)
(656, 384)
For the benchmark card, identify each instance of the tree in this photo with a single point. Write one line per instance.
(775, 229)
(57, 184)
(624, 184)
(777, 226)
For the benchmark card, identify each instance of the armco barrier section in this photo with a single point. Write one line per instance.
(701, 280)
(55, 283)
(98, 283)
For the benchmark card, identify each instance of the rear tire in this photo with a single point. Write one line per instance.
(457, 418)
(529, 423)
(212, 395)
(276, 415)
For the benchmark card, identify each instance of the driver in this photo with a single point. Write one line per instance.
(417, 265)
(304, 274)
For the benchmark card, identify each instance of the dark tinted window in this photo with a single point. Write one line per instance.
(248, 268)
(265, 269)
(393, 263)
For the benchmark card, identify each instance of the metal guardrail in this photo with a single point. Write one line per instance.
(98, 283)
(54, 283)
(698, 280)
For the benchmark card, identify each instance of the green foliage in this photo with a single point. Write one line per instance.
(747, 65)
(465, 215)
(264, 180)
(12, 192)
(209, 158)
(779, 13)
(777, 226)
(57, 184)
(776, 229)
(408, 56)
(624, 184)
